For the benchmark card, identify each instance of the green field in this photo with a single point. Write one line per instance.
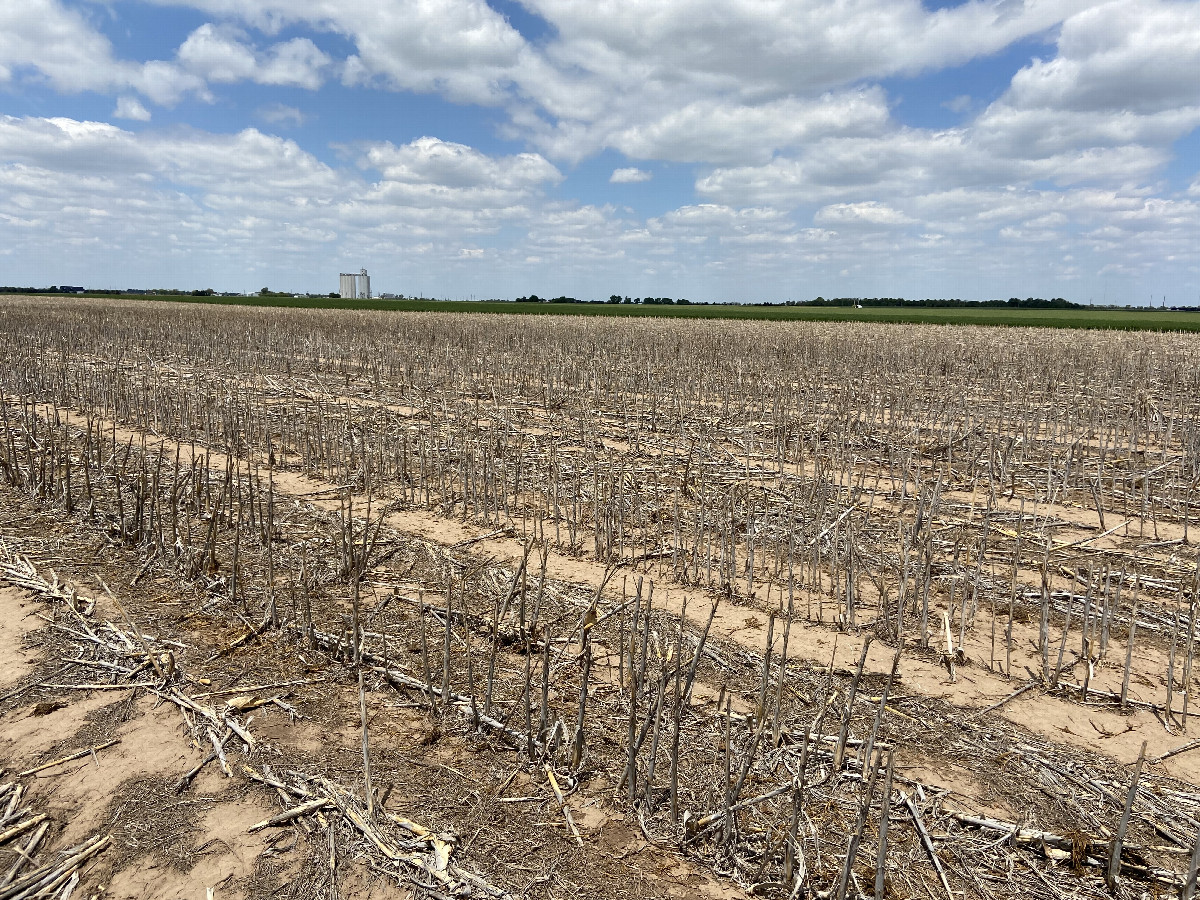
(1121, 319)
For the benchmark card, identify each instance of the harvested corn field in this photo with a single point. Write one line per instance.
(338, 604)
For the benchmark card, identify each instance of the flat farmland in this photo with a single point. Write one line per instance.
(1127, 319)
(318, 603)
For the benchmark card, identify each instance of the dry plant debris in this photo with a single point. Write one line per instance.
(596, 576)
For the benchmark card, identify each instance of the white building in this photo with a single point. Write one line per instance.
(354, 285)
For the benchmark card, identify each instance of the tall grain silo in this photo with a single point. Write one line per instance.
(364, 285)
(346, 285)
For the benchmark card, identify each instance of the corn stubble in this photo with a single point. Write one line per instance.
(936, 490)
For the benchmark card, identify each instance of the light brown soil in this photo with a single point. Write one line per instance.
(78, 796)
(14, 659)
(170, 845)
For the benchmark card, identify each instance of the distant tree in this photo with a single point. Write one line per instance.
(614, 298)
(264, 292)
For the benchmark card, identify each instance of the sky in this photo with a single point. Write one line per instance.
(718, 150)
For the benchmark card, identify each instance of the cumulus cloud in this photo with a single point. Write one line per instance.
(760, 43)
(57, 43)
(630, 175)
(222, 55)
(217, 54)
(462, 49)
(697, 80)
(239, 201)
(131, 108)
(46, 40)
(1125, 82)
(280, 114)
(295, 63)
(723, 132)
(865, 214)
(1141, 56)
(429, 173)
(720, 83)
(233, 199)
(619, 48)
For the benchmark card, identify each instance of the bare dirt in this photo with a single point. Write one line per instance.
(1122, 733)
(15, 660)
(170, 844)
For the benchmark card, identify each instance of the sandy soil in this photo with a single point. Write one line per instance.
(170, 845)
(1121, 733)
(15, 661)
(80, 797)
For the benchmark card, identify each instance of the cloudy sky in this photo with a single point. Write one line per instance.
(710, 149)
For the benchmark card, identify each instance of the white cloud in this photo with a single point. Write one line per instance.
(1141, 56)
(727, 83)
(131, 108)
(44, 40)
(221, 55)
(724, 132)
(866, 214)
(295, 63)
(432, 173)
(48, 41)
(57, 43)
(251, 202)
(238, 200)
(1125, 82)
(217, 55)
(761, 43)
(165, 83)
(282, 115)
(631, 175)
(462, 49)
(1049, 220)
(908, 162)
(691, 80)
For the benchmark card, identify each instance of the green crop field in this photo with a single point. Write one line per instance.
(1120, 319)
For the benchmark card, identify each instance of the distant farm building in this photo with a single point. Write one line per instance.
(354, 285)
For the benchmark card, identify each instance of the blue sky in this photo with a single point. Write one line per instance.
(735, 150)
